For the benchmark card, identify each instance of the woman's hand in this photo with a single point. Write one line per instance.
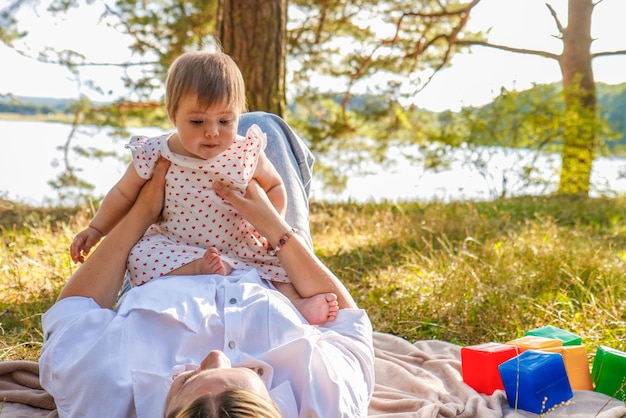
(149, 203)
(257, 209)
(307, 273)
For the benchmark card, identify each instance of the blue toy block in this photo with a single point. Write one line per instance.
(535, 381)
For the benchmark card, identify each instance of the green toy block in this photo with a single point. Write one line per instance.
(609, 372)
(550, 331)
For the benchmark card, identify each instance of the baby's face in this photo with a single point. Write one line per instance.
(203, 133)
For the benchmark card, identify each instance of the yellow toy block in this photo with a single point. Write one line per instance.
(535, 342)
(576, 365)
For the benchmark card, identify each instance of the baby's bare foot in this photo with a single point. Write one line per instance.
(211, 263)
(318, 309)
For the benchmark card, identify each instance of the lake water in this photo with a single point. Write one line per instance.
(31, 157)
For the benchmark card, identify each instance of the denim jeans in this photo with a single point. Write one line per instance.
(293, 161)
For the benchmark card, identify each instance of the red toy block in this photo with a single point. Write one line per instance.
(479, 365)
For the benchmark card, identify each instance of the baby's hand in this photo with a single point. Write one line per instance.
(83, 243)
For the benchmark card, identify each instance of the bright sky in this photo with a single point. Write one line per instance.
(473, 79)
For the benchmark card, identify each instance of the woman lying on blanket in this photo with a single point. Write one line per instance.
(197, 345)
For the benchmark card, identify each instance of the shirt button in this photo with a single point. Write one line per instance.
(259, 371)
(231, 344)
(233, 301)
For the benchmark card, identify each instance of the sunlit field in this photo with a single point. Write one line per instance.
(460, 272)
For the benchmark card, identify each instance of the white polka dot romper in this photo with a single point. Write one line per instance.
(195, 218)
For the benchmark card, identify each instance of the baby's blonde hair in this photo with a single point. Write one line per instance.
(213, 77)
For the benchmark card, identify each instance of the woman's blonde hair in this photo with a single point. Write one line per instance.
(213, 77)
(232, 403)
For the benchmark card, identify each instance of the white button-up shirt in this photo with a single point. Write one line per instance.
(101, 363)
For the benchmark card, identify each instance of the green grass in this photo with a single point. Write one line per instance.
(461, 272)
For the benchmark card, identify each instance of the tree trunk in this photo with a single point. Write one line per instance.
(579, 134)
(253, 33)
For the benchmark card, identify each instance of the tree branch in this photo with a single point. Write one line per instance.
(556, 19)
(125, 105)
(431, 17)
(466, 8)
(608, 53)
(543, 54)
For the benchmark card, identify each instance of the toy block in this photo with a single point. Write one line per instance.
(534, 342)
(479, 365)
(609, 372)
(535, 381)
(550, 331)
(576, 365)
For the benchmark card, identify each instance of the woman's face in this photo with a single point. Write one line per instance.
(214, 376)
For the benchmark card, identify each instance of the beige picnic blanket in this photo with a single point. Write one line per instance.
(412, 380)
(21, 394)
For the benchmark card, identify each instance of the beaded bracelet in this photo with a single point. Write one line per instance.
(282, 241)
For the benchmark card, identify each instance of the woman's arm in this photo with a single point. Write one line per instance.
(101, 276)
(307, 273)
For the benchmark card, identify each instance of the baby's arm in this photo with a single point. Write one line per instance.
(114, 207)
(269, 179)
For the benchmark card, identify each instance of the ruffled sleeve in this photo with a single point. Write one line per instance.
(146, 152)
(255, 142)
